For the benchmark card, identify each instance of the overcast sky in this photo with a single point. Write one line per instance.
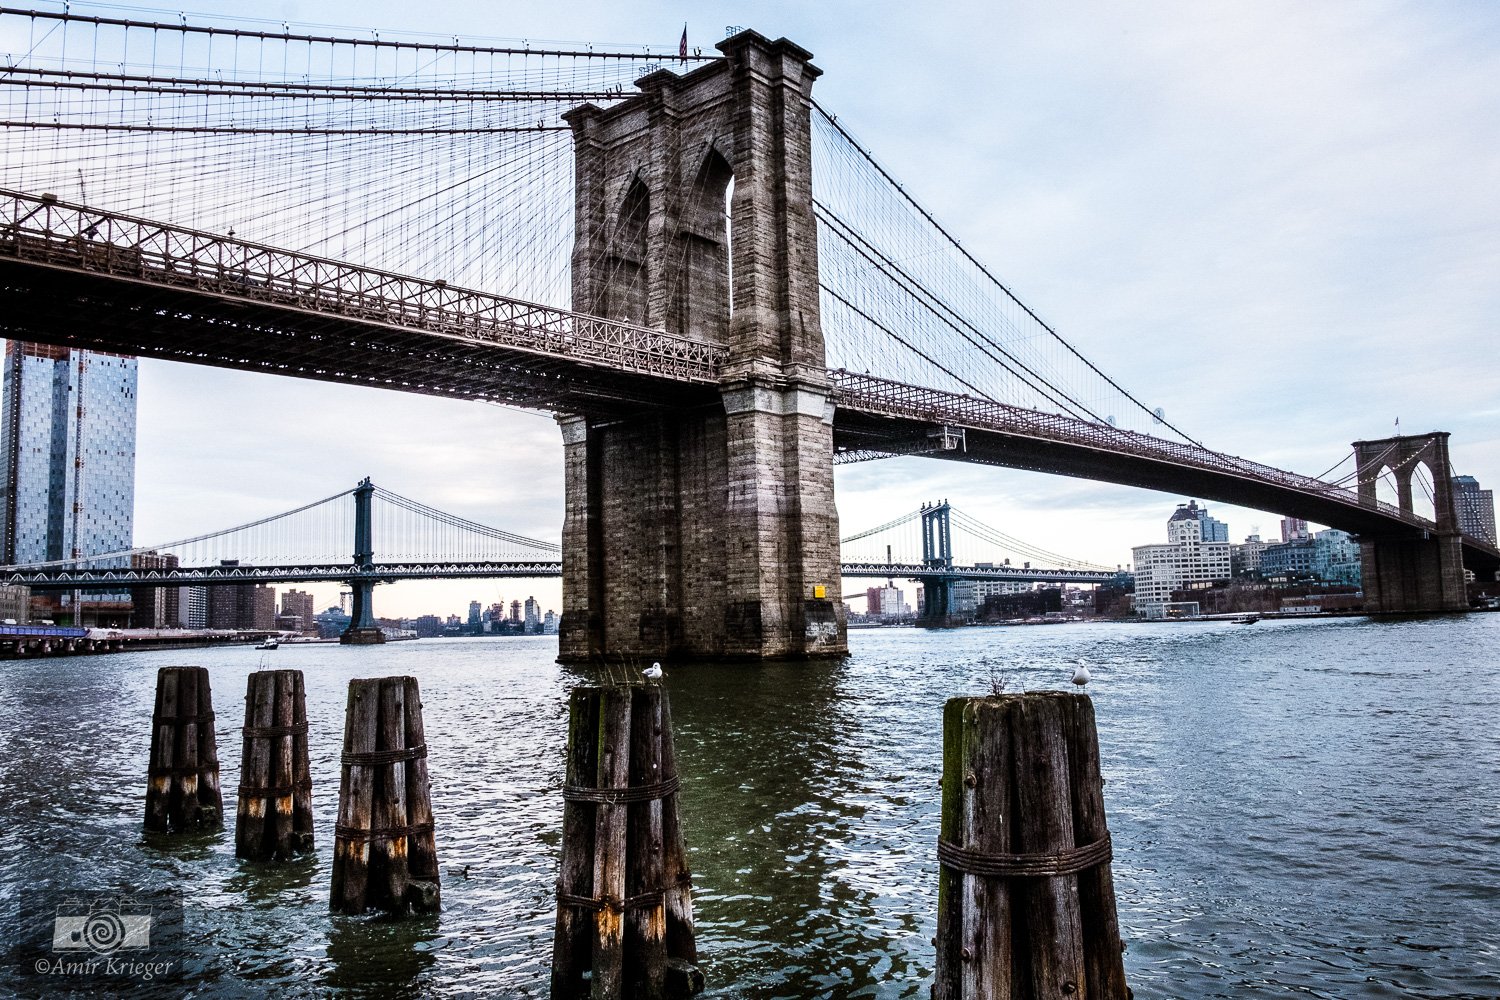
(1278, 221)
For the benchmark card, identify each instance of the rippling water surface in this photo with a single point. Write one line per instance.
(1307, 808)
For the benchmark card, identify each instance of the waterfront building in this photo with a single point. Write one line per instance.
(241, 605)
(533, 617)
(963, 597)
(515, 611)
(67, 463)
(474, 614)
(1336, 557)
(1289, 562)
(984, 589)
(299, 604)
(15, 604)
(1476, 508)
(155, 607)
(1211, 529)
(67, 453)
(193, 605)
(886, 602)
(427, 626)
(1245, 557)
(1185, 562)
(549, 623)
(1329, 556)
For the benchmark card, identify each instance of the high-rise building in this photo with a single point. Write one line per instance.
(1294, 529)
(1245, 557)
(887, 602)
(1186, 562)
(241, 605)
(155, 607)
(67, 453)
(299, 604)
(1212, 529)
(474, 613)
(533, 617)
(194, 607)
(1476, 508)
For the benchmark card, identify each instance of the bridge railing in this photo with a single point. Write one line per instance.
(871, 394)
(45, 230)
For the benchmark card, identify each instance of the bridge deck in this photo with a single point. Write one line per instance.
(79, 277)
(880, 415)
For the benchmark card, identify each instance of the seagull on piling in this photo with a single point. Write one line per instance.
(1081, 676)
(653, 672)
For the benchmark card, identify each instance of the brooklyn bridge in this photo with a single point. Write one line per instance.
(696, 267)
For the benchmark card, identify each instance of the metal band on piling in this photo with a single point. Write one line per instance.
(275, 791)
(162, 772)
(1069, 862)
(621, 796)
(599, 903)
(258, 732)
(388, 833)
(378, 758)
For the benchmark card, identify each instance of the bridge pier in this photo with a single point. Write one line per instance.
(1412, 572)
(706, 532)
(362, 630)
(937, 553)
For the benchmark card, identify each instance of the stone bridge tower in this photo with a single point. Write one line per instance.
(1422, 570)
(708, 532)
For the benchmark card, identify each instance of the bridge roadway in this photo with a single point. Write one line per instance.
(80, 277)
(57, 576)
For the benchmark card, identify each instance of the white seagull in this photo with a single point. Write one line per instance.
(1081, 676)
(653, 672)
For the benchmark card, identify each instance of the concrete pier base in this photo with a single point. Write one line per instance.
(362, 637)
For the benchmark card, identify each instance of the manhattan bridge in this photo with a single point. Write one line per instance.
(693, 264)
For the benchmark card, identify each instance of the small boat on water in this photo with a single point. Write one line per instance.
(1247, 620)
(269, 644)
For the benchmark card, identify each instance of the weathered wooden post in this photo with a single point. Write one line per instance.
(274, 818)
(384, 853)
(624, 896)
(1026, 904)
(182, 786)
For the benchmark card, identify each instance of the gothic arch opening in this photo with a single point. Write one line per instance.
(1385, 487)
(626, 272)
(1423, 492)
(706, 285)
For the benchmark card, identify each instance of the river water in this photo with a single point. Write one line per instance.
(1301, 807)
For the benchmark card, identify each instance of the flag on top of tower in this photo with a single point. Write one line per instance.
(682, 45)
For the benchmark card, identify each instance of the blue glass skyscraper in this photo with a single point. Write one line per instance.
(67, 453)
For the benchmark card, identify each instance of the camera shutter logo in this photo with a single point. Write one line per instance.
(102, 927)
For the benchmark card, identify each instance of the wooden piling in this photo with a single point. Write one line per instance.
(384, 853)
(1026, 906)
(274, 817)
(624, 911)
(182, 785)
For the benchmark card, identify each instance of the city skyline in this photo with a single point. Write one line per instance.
(1244, 215)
